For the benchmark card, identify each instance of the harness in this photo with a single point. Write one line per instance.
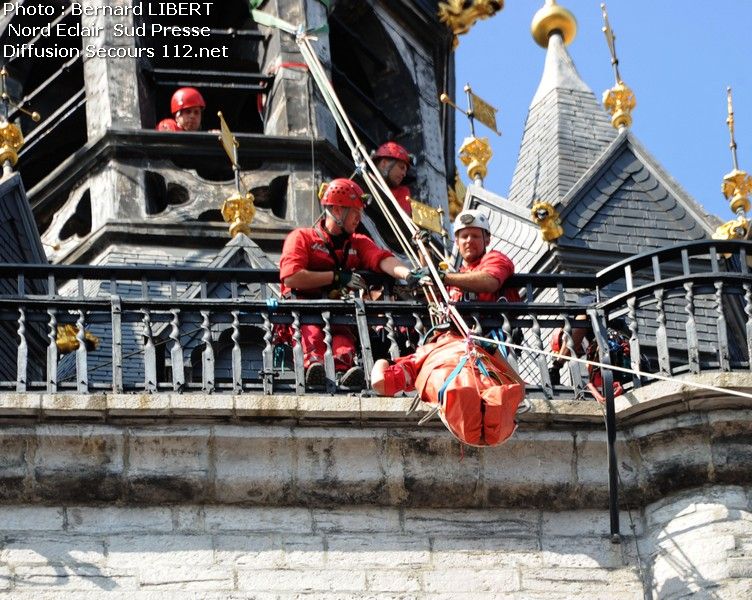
(340, 261)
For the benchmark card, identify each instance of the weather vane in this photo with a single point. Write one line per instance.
(238, 210)
(475, 152)
(619, 100)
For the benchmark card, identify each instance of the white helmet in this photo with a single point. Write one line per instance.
(471, 218)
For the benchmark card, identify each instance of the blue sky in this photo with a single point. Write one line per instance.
(678, 58)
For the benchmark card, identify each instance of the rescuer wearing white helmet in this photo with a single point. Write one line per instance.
(483, 273)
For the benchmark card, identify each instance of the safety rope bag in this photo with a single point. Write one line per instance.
(476, 394)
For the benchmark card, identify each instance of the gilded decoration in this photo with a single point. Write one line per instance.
(456, 196)
(67, 339)
(461, 15)
(732, 230)
(238, 210)
(551, 18)
(547, 218)
(620, 101)
(475, 154)
(11, 141)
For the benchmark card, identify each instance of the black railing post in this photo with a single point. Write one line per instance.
(600, 331)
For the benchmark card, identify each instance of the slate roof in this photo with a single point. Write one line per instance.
(19, 243)
(19, 238)
(627, 204)
(565, 132)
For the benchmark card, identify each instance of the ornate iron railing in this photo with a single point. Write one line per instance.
(684, 309)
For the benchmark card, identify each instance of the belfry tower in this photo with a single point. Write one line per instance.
(106, 188)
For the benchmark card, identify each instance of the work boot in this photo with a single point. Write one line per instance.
(354, 378)
(315, 375)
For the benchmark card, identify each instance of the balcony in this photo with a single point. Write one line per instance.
(686, 310)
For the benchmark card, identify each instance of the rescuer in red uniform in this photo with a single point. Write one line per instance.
(187, 106)
(483, 272)
(393, 162)
(322, 259)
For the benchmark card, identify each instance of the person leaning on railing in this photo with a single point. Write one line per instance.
(321, 261)
(483, 272)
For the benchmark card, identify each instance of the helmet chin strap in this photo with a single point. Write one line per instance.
(339, 221)
(387, 168)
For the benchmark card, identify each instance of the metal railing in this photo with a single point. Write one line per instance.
(192, 330)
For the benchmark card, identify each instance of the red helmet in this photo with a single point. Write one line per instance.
(186, 97)
(393, 150)
(342, 192)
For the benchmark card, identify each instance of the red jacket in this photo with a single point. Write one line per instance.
(497, 265)
(311, 248)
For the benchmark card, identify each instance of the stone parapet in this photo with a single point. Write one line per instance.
(317, 451)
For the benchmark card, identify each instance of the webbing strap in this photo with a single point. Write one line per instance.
(482, 367)
(451, 377)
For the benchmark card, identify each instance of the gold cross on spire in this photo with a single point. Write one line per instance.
(619, 100)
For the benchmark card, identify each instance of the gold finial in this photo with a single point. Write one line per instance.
(551, 18)
(619, 100)
(238, 210)
(461, 15)
(547, 218)
(11, 141)
(475, 154)
(736, 185)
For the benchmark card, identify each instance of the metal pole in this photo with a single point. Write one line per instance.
(598, 320)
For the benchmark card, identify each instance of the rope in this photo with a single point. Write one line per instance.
(593, 363)
(373, 178)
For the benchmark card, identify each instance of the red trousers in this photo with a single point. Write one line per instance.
(343, 346)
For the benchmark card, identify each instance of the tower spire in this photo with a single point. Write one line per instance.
(566, 128)
(619, 101)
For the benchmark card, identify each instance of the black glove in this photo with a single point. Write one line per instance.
(418, 276)
(349, 279)
(422, 235)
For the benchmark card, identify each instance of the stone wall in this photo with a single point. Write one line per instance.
(696, 544)
(216, 552)
(192, 496)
